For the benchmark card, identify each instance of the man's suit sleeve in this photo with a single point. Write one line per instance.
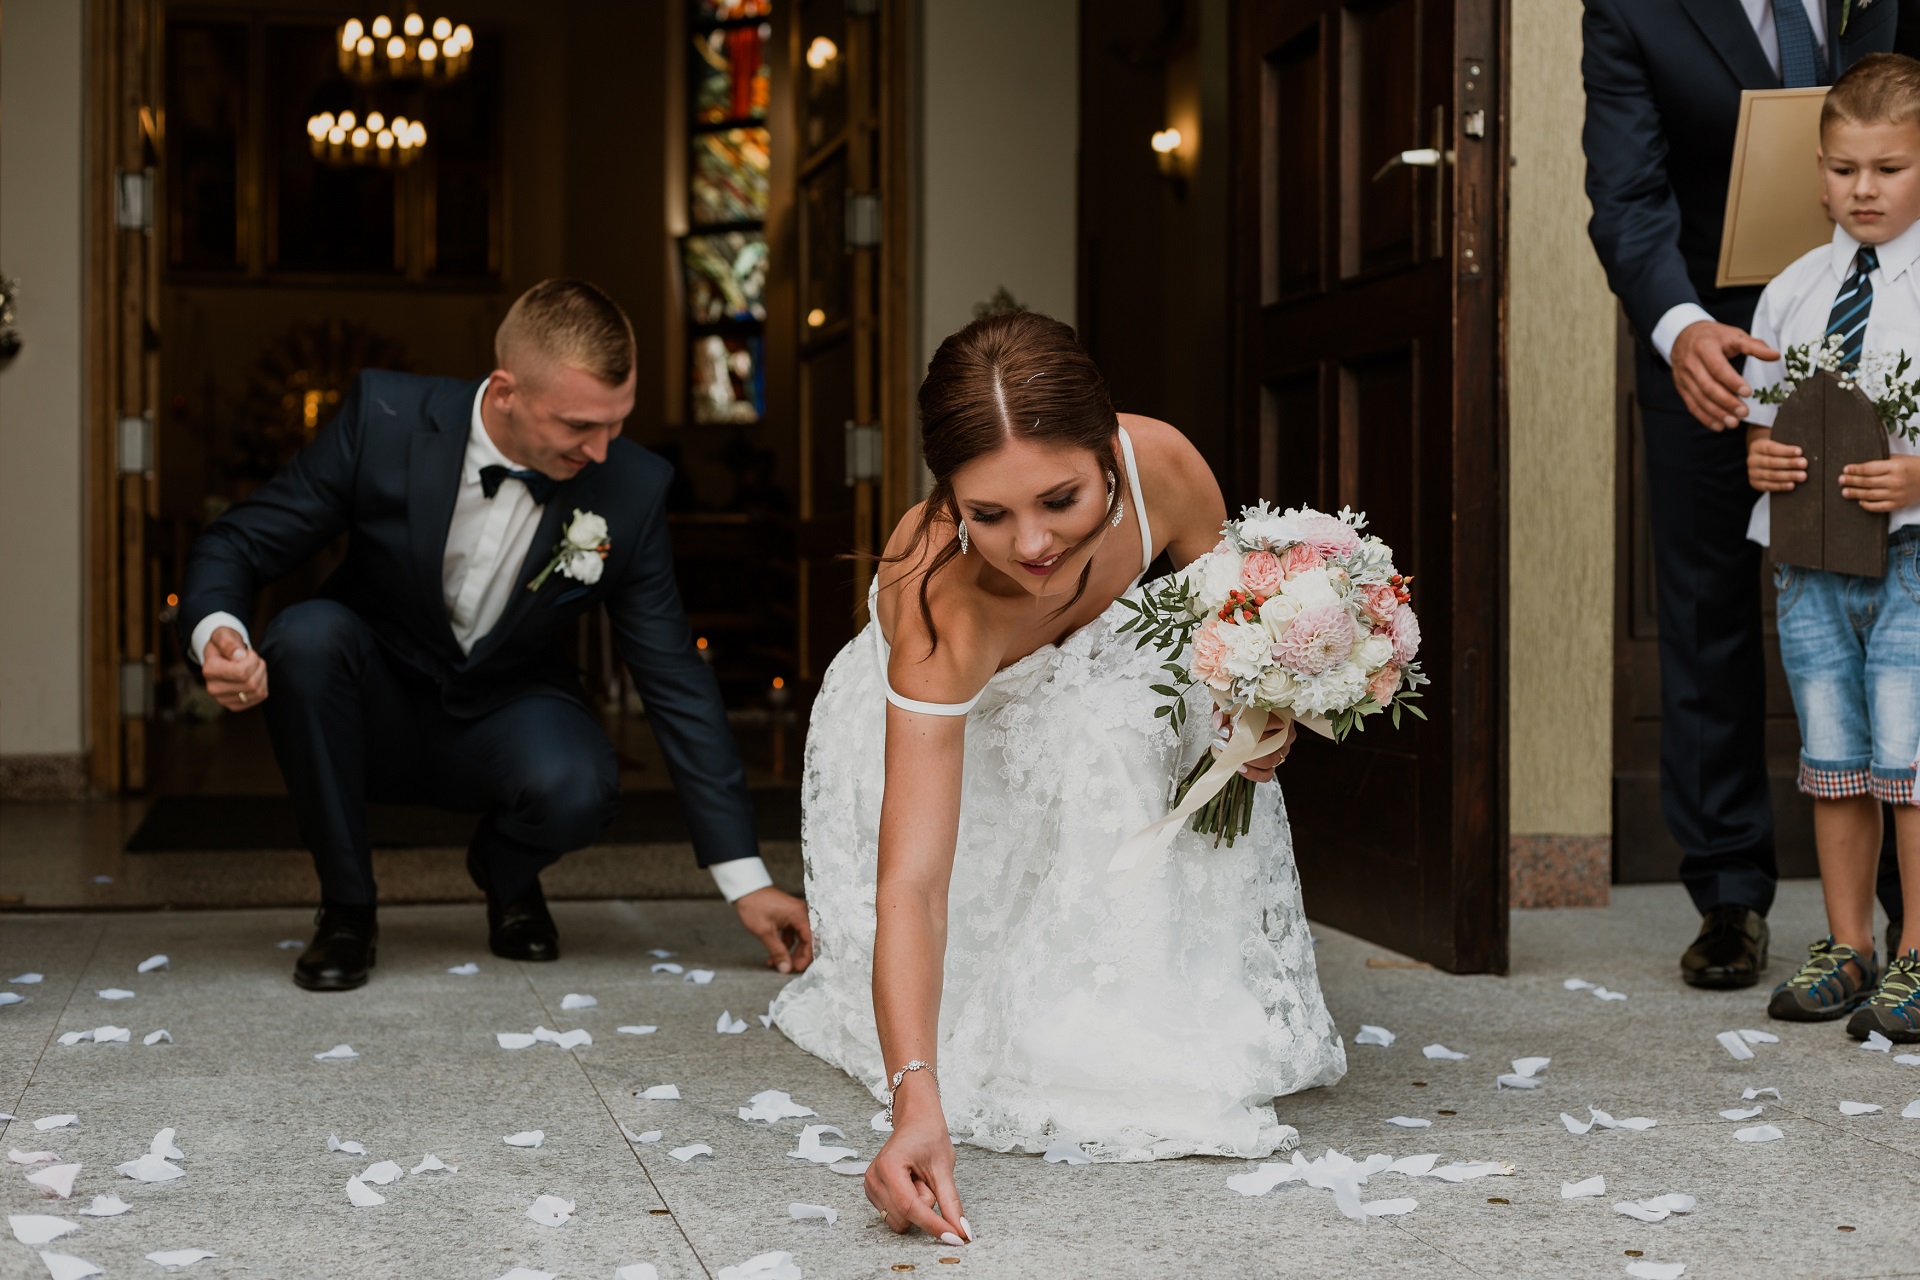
(284, 522)
(1636, 219)
(682, 697)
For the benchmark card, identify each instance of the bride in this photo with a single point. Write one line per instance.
(974, 964)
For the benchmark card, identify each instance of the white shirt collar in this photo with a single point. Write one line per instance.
(481, 450)
(1895, 256)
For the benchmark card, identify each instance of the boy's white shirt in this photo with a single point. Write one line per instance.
(1794, 309)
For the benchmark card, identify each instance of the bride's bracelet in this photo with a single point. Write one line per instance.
(901, 1074)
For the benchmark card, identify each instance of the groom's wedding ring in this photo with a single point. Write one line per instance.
(243, 697)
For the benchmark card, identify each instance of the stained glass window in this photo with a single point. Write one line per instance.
(728, 381)
(729, 10)
(726, 276)
(730, 176)
(730, 80)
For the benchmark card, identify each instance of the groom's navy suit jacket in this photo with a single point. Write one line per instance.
(385, 472)
(1663, 82)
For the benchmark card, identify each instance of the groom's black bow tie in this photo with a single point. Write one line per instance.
(540, 486)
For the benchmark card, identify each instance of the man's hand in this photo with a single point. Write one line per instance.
(1773, 467)
(1703, 371)
(236, 675)
(1882, 486)
(780, 921)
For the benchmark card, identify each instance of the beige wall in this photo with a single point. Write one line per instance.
(41, 527)
(1560, 361)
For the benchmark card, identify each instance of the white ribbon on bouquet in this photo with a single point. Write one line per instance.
(1250, 724)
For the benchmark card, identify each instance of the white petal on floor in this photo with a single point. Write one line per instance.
(778, 1265)
(112, 1035)
(774, 1104)
(64, 1266)
(115, 993)
(1750, 1094)
(1390, 1208)
(659, 1093)
(551, 1211)
(150, 1168)
(637, 1271)
(153, 962)
(1264, 1179)
(1644, 1270)
(1758, 1037)
(1467, 1170)
(290, 944)
(28, 979)
(688, 1152)
(700, 977)
(1065, 1152)
(431, 1163)
(362, 1195)
(1741, 1113)
(642, 1029)
(107, 1206)
(1734, 1045)
(1911, 1111)
(849, 1168)
(1410, 1122)
(574, 1039)
(527, 1273)
(574, 1000)
(1594, 1186)
(514, 1039)
(1530, 1067)
(1858, 1108)
(11, 997)
(1576, 1126)
(180, 1257)
(162, 1145)
(17, 1156)
(155, 1037)
(339, 1053)
(1515, 1081)
(812, 1149)
(880, 1123)
(529, 1138)
(643, 1139)
(1577, 984)
(1413, 1166)
(1369, 1034)
(659, 954)
(350, 1147)
(71, 1038)
(45, 1123)
(1907, 1059)
(39, 1228)
(56, 1179)
(1441, 1051)
(1877, 1043)
(1759, 1133)
(803, 1212)
(466, 970)
(728, 1025)
(1603, 994)
(669, 968)
(1637, 1123)
(381, 1174)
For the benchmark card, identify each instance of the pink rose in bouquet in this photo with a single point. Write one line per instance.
(1300, 557)
(1385, 683)
(1261, 572)
(1316, 640)
(1381, 602)
(1210, 657)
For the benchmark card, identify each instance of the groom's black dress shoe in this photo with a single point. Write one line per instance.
(344, 942)
(522, 929)
(1730, 951)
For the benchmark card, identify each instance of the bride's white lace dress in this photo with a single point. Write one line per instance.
(1160, 1022)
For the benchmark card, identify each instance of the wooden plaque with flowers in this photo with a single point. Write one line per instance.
(1813, 527)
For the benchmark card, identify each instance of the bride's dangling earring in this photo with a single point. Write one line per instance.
(1119, 508)
(963, 536)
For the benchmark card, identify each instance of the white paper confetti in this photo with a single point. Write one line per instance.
(528, 1273)
(1370, 1034)
(774, 1104)
(163, 1146)
(1594, 1186)
(155, 1037)
(44, 1123)
(1644, 1270)
(669, 968)
(1598, 1119)
(153, 962)
(11, 997)
(56, 1179)
(363, 1196)
(64, 1266)
(180, 1257)
(1262, 1180)
(637, 1271)
(28, 979)
(1741, 1113)
(107, 1206)
(1907, 1059)
(1410, 1122)
(550, 1211)
(514, 1039)
(659, 1093)
(1911, 1111)
(1750, 1094)
(350, 1147)
(1577, 984)
(1732, 1042)
(39, 1228)
(150, 1168)
(530, 1138)
(579, 1037)
(112, 1035)
(1467, 1170)
(290, 944)
(812, 1149)
(651, 1135)
(1414, 1166)
(1390, 1208)
(880, 1123)
(1759, 1133)
(767, 1266)
(1655, 1209)
(574, 1000)
(71, 1038)
(700, 977)
(643, 1029)
(1877, 1043)
(382, 1174)
(30, 1158)
(1858, 1108)
(1064, 1152)
(688, 1152)
(1525, 1074)
(1441, 1051)
(803, 1212)
(115, 993)
(728, 1025)
(849, 1168)
(466, 970)
(1602, 993)
(431, 1163)
(339, 1053)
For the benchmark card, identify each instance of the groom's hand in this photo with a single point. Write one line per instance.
(1704, 374)
(780, 921)
(236, 675)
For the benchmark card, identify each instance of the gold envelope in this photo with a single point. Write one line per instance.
(1774, 212)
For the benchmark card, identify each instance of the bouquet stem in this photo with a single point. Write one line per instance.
(1226, 816)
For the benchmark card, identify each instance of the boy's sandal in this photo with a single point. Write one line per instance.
(1894, 1010)
(1825, 988)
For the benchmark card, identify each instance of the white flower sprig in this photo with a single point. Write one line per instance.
(1880, 376)
(581, 552)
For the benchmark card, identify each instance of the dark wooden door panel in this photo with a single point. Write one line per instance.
(1296, 465)
(1381, 109)
(1293, 169)
(1379, 448)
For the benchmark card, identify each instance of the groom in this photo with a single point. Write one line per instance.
(430, 668)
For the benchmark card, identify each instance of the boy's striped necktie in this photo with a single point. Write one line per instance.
(1851, 308)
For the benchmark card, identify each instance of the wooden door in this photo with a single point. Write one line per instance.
(848, 77)
(1370, 167)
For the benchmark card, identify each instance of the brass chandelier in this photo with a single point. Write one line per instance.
(350, 139)
(408, 48)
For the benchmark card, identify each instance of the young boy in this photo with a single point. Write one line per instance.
(1851, 645)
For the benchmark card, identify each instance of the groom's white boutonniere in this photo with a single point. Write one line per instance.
(581, 551)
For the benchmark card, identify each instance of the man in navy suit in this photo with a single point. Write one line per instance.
(483, 517)
(1663, 80)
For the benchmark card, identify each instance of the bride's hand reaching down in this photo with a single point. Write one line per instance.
(1259, 769)
(911, 1180)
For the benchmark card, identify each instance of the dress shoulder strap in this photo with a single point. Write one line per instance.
(882, 652)
(1139, 503)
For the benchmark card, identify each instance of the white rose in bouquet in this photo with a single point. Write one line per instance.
(587, 532)
(1278, 612)
(1276, 687)
(1310, 589)
(1374, 652)
(584, 566)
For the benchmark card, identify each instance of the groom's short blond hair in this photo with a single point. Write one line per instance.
(572, 322)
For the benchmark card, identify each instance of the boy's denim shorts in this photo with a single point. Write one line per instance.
(1851, 647)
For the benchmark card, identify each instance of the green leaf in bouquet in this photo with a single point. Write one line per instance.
(1163, 711)
(1165, 690)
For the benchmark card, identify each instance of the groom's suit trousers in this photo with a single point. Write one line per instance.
(349, 726)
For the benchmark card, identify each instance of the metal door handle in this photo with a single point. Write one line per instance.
(1424, 158)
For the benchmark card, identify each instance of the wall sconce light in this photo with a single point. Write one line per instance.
(1171, 151)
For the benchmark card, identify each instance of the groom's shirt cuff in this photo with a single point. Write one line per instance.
(1667, 332)
(197, 643)
(739, 877)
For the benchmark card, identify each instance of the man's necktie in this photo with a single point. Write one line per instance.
(540, 486)
(1851, 309)
(1802, 63)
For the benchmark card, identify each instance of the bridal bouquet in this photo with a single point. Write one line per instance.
(1296, 616)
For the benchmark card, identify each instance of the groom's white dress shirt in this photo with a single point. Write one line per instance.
(1760, 14)
(487, 542)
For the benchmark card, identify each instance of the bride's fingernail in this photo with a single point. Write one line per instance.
(947, 1237)
(966, 1227)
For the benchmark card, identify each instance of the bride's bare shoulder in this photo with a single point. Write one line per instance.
(956, 612)
(1176, 480)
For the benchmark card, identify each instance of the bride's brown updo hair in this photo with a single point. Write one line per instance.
(1022, 376)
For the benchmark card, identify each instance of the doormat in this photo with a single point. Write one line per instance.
(222, 824)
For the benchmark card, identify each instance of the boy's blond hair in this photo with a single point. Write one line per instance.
(572, 322)
(1880, 88)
